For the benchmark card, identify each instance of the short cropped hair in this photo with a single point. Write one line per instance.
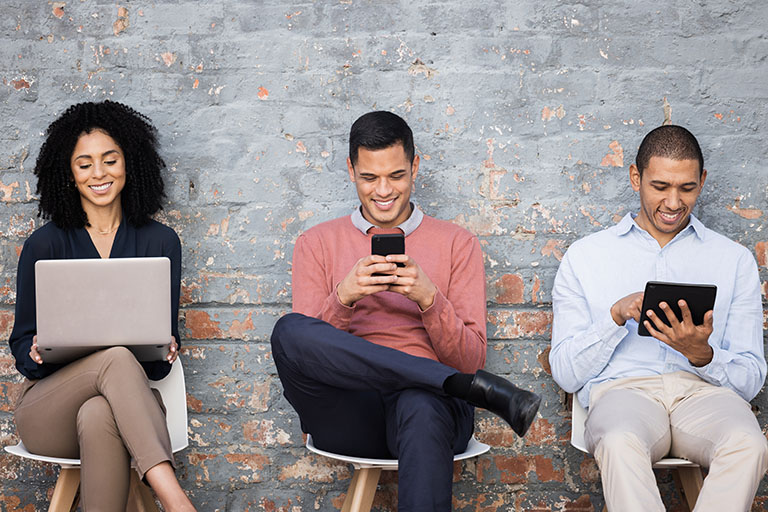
(144, 190)
(669, 141)
(380, 130)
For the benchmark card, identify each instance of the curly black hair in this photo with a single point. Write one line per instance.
(137, 137)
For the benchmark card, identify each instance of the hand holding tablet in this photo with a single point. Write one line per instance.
(699, 298)
(681, 316)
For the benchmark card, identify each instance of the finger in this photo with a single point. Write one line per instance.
(380, 268)
(399, 258)
(374, 280)
(658, 323)
(372, 259)
(686, 312)
(656, 334)
(709, 320)
(671, 316)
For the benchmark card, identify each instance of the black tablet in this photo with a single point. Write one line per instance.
(699, 297)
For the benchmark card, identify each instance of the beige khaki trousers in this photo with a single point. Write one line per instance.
(636, 421)
(99, 409)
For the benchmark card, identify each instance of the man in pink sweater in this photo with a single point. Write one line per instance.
(382, 356)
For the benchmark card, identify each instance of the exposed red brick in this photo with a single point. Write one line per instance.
(20, 84)
(510, 289)
(495, 432)
(264, 433)
(533, 322)
(254, 462)
(237, 329)
(263, 93)
(517, 469)
(259, 399)
(200, 326)
(541, 433)
(189, 292)
(535, 289)
(58, 9)
(543, 359)
(553, 248)
(582, 504)
(315, 469)
(746, 213)
(12, 502)
(122, 22)
(6, 323)
(194, 403)
(588, 470)
(615, 158)
(761, 253)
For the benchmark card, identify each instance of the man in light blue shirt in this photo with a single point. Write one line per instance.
(684, 391)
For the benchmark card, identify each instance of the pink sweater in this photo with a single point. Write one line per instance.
(451, 331)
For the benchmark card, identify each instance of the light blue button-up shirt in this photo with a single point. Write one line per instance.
(588, 348)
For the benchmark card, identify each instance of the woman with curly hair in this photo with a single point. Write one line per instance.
(99, 183)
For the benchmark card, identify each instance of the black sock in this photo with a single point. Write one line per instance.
(458, 385)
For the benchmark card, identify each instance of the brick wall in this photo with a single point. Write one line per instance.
(526, 115)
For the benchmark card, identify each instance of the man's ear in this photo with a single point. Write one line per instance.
(634, 177)
(415, 167)
(702, 179)
(351, 169)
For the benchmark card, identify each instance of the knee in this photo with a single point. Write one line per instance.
(620, 443)
(287, 333)
(747, 446)
(95, 415)
(119, 355)
(424, 414)
(284, 327)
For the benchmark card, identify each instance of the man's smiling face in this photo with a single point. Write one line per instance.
(668, 192)
(384, 179)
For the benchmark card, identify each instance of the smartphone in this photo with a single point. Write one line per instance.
(388, 244)
(699, 297)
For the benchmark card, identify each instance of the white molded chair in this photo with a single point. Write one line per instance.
(689, 473)
(362, 488)
(65, 495)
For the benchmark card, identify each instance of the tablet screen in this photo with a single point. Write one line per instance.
(699, 297)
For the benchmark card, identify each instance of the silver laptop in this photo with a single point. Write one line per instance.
(89, 304)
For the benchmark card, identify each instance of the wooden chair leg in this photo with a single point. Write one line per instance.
(65, 493)
(361, 490)
(692, 481)
(140, 498)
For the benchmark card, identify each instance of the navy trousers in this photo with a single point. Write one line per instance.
(358, 398)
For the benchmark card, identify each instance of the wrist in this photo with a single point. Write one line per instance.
(616, 317)
(343, 298)
(703, 359)
(427, 302)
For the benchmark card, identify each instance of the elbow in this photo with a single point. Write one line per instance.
(563, 375)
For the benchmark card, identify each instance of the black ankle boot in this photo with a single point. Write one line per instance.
(514, 405)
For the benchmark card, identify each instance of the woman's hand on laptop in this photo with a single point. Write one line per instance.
(173, 351)
(33, 353)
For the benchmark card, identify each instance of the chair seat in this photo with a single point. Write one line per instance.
(21, 451)
(474, 448)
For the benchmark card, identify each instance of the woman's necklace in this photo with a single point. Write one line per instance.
(108, 232)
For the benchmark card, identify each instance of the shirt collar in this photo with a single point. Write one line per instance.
(407, 227)
(626, 224)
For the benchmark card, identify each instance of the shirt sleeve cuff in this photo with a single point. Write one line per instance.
(436, 307)
(339, 310)
(608, 331)
(714, 371)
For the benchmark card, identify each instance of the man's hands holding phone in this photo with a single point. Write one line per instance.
(409, 280)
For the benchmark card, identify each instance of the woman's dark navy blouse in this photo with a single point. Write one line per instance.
(51, 242)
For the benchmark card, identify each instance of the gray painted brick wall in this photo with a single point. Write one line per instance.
(526, 115)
